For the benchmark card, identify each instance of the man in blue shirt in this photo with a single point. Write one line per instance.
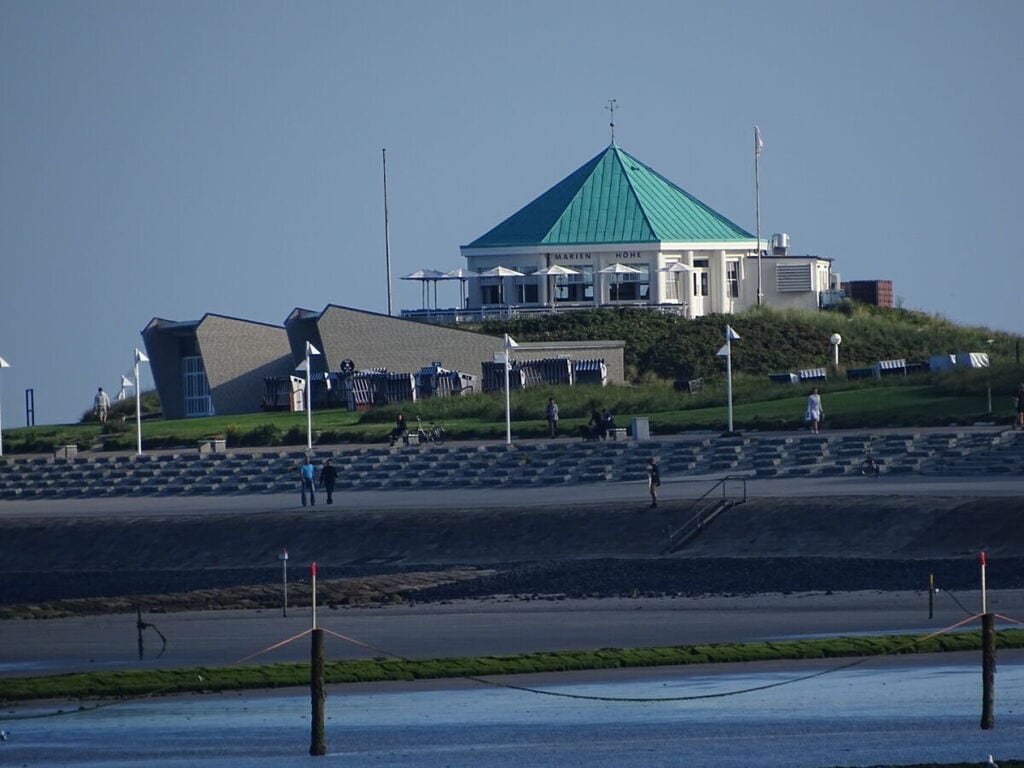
(307, 471)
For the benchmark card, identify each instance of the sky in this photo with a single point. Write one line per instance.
(168, 159)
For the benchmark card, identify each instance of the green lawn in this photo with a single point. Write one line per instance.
(756, 406)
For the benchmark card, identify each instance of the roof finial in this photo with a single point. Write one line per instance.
(612, 106)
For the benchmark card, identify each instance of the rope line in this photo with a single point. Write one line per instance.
(273, 647)
(694, 697)
(527, 689)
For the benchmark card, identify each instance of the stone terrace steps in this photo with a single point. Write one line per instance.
(556, 462)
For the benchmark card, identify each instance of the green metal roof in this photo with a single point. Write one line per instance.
(613, 198)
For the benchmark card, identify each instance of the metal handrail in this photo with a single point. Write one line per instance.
(697, 520)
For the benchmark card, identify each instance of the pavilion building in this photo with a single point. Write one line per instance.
(614, 233)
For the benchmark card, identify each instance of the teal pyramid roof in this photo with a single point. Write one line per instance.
(613, 198)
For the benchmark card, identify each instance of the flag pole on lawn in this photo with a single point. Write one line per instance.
(140, 357)
(758, 148)
(726, 352)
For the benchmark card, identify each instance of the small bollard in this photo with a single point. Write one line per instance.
(317, 695)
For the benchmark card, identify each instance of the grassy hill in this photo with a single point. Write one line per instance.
(659, 348)
(668, 346)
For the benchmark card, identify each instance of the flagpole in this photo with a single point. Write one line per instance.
(758, 145)
(140, 357)
(387, 229)
(508, 400)
(728, 376)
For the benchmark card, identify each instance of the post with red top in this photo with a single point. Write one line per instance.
(317, 694)
(931, 595)
(283, 557)
(988, 657)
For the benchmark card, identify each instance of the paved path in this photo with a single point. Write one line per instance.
(477, 627)
(678, 487)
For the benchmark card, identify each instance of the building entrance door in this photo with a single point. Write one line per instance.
(701, 299)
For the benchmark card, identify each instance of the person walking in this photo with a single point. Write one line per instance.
(101, 405)
(328, 477)
(307, 472)
(653, 479)
(552, 416)
(815, 413)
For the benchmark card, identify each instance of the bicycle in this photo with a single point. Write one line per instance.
(434, 433)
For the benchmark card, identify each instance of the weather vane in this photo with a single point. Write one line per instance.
(612, 106)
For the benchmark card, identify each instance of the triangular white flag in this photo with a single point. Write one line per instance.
(4, 363)
(730, 334)
(758, 142)
(311, 350)
(723, 352)
(140, 356)
(510, 342)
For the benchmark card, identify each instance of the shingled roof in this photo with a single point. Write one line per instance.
(613, 198)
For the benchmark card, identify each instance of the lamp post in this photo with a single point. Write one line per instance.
(509, 345)
(140, 357)
(3, 364)
(835, 340)
(310, 351)
(726, 352)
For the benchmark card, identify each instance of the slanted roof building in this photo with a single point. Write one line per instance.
(215, 365)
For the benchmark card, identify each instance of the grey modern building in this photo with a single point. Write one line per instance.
(218, 365)
(215, 365)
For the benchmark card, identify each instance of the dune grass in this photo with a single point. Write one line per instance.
(146, 682)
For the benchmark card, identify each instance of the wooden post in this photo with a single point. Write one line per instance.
(988, 670)
(317, 695)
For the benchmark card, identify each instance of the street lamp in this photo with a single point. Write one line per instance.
(3, 364)
(726, 352)
(310, 351)
(835, 340)
(140, 357)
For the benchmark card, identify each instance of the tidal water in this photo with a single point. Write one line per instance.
(892, 711)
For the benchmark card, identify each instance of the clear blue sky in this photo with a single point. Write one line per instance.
(175, 158)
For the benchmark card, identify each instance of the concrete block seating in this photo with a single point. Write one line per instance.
(988, 452)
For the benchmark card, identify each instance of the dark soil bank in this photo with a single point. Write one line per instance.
(572, 578)
(761, 546)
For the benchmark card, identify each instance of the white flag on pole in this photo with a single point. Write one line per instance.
(758, 142)
(140, 356)
(311, 350)
(730, 334)
(510, 343)
(723, 352)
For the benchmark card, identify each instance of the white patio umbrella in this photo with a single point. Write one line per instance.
(501, 273)
(677, 269)
(555, 270)
(618, 270)
(463, 275)
(425, 276)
